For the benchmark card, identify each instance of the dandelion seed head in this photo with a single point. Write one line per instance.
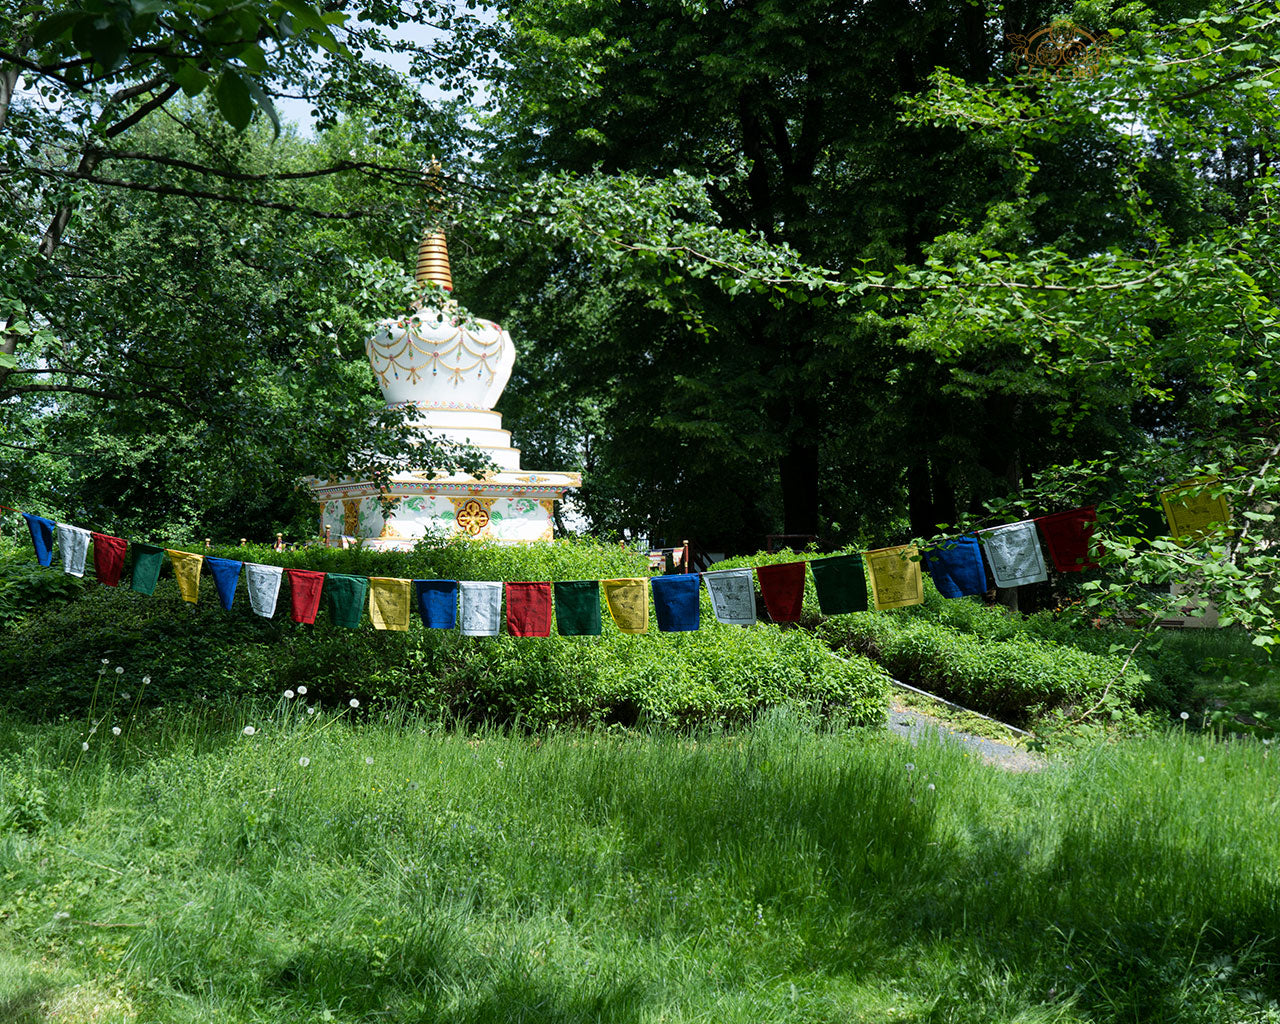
(119, 670)
(146, 680)
(85, 745)
(249, 730)
(1200, 759)
(369, 760)
(125, 696)
(353, 702)
(910, 767)
(1184, 716)
(302, 691)
(115, 730)
(106, 661)
(311, 711)
(931, 787)
(288, 695)
(304, 761)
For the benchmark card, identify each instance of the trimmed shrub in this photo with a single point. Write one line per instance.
(51, 662)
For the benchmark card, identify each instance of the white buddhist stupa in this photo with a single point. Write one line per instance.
(451, 370)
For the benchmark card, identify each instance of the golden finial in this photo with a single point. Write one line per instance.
(433, 253)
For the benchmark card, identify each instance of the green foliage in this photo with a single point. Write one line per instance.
(25, 586)
(415, 874)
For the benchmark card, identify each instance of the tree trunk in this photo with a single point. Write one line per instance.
(798, 474)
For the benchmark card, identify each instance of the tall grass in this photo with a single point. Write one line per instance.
(334, 868)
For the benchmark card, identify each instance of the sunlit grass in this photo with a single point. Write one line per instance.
(329, 867)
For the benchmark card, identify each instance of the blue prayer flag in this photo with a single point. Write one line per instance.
(675, 601)
(41, 537)
(956, 566)
(437, 603)
(226, 573)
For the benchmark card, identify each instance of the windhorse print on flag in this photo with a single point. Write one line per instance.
(733, 595)
(1013, 552)
(1194, 510)
(480, 610)
(896, 580)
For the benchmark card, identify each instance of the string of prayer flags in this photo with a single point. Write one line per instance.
(1193, 510)
(481, 607)
(226, 574)
(389, 604)
(896, 579)
(304, 594)
(263, 582)
(1013, 552)
(437, 603)
(147, 559)
(346, 596)
(73, 542)
(628, 601)
(578, 608)
(956, 566)
(529, 609)
(782, 587)
(186, 569)
(108, 558)
(41, 537)
(840, 583)
(1067, 536)
(676, 604)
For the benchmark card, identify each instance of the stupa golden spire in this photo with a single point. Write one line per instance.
(433, 253)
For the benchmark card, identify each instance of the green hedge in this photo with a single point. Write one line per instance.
(51, 661)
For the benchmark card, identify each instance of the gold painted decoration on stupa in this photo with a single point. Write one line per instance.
(472, 516)
(433, 261)
(457, 354)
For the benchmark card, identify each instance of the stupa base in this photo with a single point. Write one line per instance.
(506, 507)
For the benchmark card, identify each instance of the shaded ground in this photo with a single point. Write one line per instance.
(912, 724)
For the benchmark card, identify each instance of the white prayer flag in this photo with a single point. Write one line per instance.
(264, 587)
(73, 542)
(733, 596)
(1013, 552)
(480, 608)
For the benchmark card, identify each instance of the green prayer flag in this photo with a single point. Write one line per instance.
(146, 567)
(840, 583)
(347, 596)
(578, 608)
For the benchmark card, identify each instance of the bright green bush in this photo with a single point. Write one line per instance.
(50, 663)
(1016, 679)
(25, 585)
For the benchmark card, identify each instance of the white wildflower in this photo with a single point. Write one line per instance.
(249, 730)
(302, 691)
(115, 730)
(353, 702)
(288, 695)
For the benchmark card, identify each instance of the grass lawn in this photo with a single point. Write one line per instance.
(325, 869)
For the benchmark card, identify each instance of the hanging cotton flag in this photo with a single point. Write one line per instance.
(628, 601)
(676, 604)
(346, 595)
(226, 574)
(733, 596)
(41, 537)
(1067, 536)
(1192, 509)
(73, 542)
(840, 583)
(1013, 552)
(390, 606)
(186, 569)
(480, 608)
(263, 582)
(956, 566)
(896, 581)
(782, 587)
(578, 608)
(529, 609)
(108, 558)
(146, 567)
(437, 603)
(304, 594)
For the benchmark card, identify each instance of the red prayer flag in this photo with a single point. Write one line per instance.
(1067, 536)
(529, 609)
(108, 558)
(782, 587)
(304, 594)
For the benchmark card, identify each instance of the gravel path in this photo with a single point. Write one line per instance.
(912, 725)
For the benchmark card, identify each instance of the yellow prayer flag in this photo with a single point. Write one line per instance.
(186, 567)
(389, 604)
(1192, 509)
(628, 601)
(896, 580)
